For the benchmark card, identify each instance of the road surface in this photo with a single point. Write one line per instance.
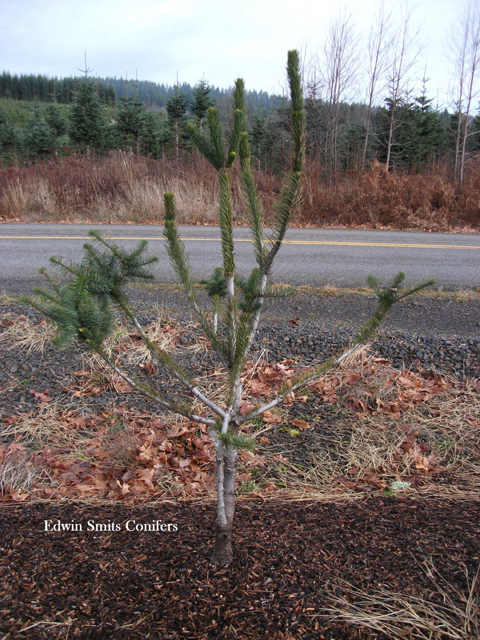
(317, 257)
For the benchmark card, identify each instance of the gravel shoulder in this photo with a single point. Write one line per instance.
(441, 314)
(438, 333)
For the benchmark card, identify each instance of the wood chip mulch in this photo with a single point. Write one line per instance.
(289, 558)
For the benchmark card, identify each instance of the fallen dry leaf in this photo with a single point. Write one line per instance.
(300, 424)
(177, 430)
(246, 407)
(121, 386)
(302, 398)
(351, 378)
(42, 397)
(146, 476)
(356, 403)
(19, 496)
(148, 368)
(271, 486)
(269, 418)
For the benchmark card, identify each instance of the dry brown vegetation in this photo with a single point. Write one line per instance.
(368, 429)
(127, 188)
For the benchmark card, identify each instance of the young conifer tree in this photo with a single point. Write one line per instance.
(88, 123)
(82, 308)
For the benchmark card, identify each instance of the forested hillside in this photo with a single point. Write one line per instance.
(39, 117)
(394, 159)
(32, 87)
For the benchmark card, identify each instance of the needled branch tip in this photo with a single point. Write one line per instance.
(294, 80)
(168, 199)
(387, 297)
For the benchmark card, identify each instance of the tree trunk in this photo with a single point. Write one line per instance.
(223, 552)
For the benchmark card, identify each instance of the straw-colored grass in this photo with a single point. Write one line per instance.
(435, 441)
(51, 425)
(455, 616)
(17, 472)
(23, 333)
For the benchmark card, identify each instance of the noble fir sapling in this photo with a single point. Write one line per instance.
(82, 308)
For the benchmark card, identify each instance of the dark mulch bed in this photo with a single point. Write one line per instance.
(288, 558)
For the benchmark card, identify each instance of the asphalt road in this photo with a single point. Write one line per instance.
(316, 257)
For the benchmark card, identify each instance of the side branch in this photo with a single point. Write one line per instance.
(301, 381)
(147, 391)
(165, 360)
(179, 261)
(387, 297)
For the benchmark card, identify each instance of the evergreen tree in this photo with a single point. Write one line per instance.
(277, 142)
(258, 136)
(39, 138)
(429, 137)
(88, 125)
(177, 117)
(474, 139)
(130, 118)
(152, 128)
(201, 101)
(354, 145)
(418, 135)
(9, 140)
(140, 127)
(54, 117)
(315, 119)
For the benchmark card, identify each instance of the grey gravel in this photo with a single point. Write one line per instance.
(440, 334)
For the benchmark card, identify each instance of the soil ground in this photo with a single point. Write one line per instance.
(298, 563)
(290, 559)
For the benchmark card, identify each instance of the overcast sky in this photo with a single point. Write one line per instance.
(217, 39)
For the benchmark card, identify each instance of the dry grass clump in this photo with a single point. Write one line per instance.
(122, 445)
(17, 471)
(49, 426)
(119, 188)
(465, 295)
(24, 198)
(455, 616)
(170, 485)
(21, 332)
(162, 333)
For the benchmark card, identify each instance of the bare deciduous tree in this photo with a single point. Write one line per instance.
(376, 61)
(405, 49)
(464, 53)
(332, 78)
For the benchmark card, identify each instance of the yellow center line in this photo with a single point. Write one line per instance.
(403, 245)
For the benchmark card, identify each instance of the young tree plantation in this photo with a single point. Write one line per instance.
(367, 99)
(83, 306)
